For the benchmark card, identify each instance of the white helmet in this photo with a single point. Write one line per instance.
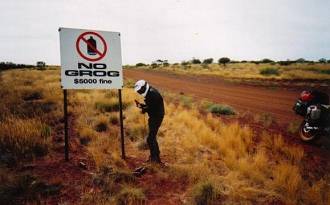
(141, 87)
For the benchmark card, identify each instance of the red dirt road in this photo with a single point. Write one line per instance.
(277, 102)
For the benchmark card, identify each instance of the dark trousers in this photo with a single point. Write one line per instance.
(154, 124)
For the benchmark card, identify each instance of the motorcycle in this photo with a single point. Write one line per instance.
(314, 107)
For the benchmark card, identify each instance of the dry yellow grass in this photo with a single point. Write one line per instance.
(200, 147)
(23, 137)
(30, 101)
(196, 146)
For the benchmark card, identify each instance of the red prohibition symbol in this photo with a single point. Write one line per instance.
(98, 54)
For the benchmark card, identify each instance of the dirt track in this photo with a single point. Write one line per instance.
(277, 102)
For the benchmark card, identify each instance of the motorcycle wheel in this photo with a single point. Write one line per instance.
(307, 135)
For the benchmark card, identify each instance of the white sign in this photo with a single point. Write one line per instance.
(90, 59)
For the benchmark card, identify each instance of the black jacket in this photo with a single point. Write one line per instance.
(154, 104)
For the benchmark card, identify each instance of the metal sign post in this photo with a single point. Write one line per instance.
(66, 135)
(121, 125)
(90, 60)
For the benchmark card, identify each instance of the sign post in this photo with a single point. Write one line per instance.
(121, 125)
(66, 135)
(90, 60)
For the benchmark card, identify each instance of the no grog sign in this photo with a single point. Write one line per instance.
(90, 59)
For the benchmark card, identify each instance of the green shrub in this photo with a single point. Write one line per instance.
(327, 72)
(140, 64)
(195, 61)
(32, 95)
(154, 65)
(109, 106)
(269, 71)
(101, 127)
(101, 124)
(266, 60)
(204, 193)
(221, 109)
(208, 61)
(323, 60)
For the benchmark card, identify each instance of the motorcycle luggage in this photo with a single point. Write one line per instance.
(300, 107)
(314, 112)
(319, 97)
(308, 98)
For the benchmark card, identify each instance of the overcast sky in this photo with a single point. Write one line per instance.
(171, 29)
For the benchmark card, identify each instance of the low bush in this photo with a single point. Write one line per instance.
(109, 106)
(154, 65)
(114, 119)
(204, 193)
(102, 124)
(327, 72)
(33, 95)
(140, 64)
(208, 61)
(166, 64)
(195, 61)
(269, 71)
(221, 109)
(266, 60)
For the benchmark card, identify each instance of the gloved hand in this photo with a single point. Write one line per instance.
(138, 104)
(141, 106)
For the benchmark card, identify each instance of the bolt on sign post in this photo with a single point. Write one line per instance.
(90, 60)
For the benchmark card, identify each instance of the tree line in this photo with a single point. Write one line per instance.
(225, 60)
(11, 65)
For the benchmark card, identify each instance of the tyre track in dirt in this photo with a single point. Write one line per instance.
(277, 102)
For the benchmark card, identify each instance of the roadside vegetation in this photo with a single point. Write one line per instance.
(263, 69)
(208, 161)
(30, 109)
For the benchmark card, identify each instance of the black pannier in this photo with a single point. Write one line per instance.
(308, 98)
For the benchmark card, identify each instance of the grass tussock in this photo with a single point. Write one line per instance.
(269, 71)
(101, 124)
(24, 138)
(266, 119)
(205, 193)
